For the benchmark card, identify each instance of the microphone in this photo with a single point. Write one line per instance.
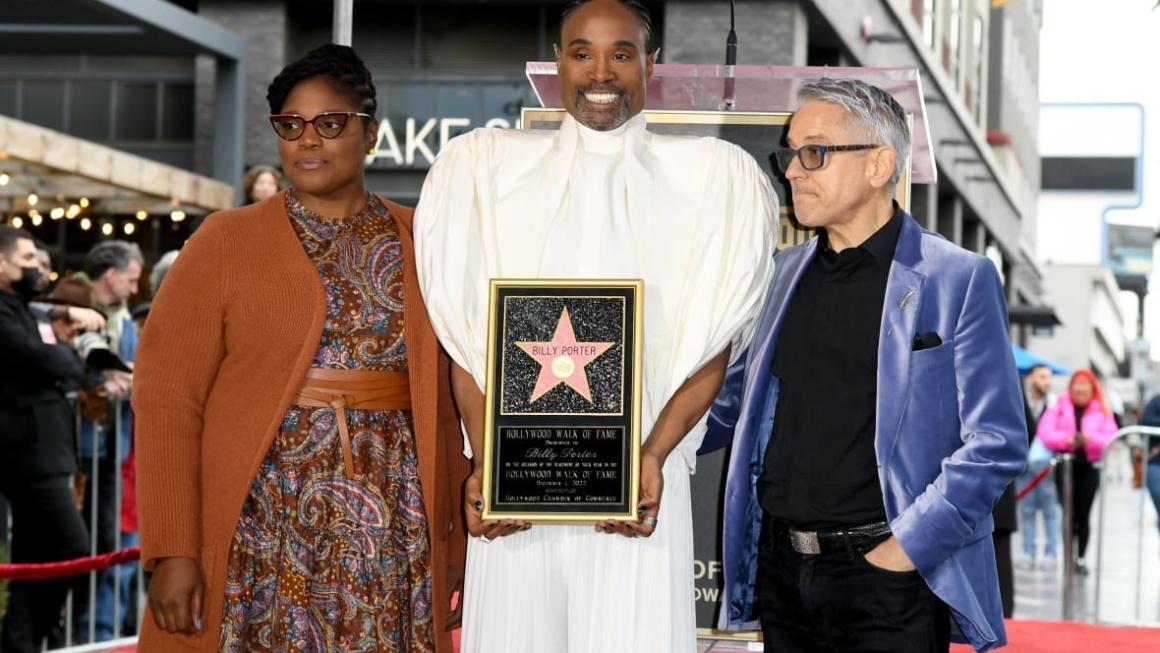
(730, 60)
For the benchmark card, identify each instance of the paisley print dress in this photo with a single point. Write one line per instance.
(322, 561)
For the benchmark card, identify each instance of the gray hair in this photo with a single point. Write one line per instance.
(869, 109)
(160, 269)
(114, 254)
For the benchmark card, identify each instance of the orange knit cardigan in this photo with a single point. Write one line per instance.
(226, 348)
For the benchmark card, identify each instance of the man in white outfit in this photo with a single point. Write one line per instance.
(600, 198)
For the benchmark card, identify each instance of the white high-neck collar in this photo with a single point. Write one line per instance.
(611, 140)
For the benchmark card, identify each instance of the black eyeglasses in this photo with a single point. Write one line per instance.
(328, 125)
(813, 156)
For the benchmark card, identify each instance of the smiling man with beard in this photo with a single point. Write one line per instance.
(601, 198)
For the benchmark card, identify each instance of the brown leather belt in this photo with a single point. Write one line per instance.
(358, 389)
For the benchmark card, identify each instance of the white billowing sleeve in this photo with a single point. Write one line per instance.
(748, 234)
(451, 249)
(451, 221)
(723, 295)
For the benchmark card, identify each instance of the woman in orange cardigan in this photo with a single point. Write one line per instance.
(299, 454)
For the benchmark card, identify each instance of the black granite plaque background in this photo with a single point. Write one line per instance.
(534, 319)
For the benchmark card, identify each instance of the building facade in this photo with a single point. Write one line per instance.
(1087, 300)
(1094, 244)
(443, 68)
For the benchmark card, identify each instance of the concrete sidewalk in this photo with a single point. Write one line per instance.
(1128, 570)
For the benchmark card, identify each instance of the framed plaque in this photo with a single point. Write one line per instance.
(562, 425)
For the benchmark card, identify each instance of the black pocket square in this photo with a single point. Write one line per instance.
(926, 341)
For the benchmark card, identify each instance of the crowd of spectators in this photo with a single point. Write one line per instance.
(66, 452)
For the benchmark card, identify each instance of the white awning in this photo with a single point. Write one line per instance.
(41, 168)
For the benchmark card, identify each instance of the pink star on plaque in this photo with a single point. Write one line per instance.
(563, 359)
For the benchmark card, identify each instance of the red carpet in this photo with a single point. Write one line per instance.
(1043, 637)
(1070, 637)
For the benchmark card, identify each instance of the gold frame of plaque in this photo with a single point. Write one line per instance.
(568, 453)
(692, 123)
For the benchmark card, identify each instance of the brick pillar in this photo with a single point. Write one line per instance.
(263, 25)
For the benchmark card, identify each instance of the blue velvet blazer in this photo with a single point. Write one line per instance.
(950, 429)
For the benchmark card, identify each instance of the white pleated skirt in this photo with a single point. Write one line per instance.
(570, 589)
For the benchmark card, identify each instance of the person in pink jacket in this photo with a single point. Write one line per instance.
(1080, 422)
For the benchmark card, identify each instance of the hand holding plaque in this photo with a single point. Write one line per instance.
(562, 425)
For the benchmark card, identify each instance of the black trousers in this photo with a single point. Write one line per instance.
(46, 527)
(1085, 482)
(1002, 541)
(838, 602)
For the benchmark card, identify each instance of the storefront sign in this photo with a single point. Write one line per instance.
(413, 143)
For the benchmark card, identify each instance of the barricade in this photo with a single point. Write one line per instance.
(44, 570)
(1120, 438)
(115, 452)
(96, 561)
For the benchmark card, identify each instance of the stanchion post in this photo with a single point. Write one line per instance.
(1139, 532)
(118, 498)
(68, 604)
(94, 507)
(1068, 500)
(1146, 432)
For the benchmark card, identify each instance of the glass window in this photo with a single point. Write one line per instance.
(954, 38)
(457, 101)
(43, 103)
(8, 95)
(136, 112)
(504, 101)
(928, 22)
(408, 105)
(408, 100)
(177, 113)
(89, 110)
(980, 67)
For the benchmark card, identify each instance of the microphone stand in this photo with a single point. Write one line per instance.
(730, 102)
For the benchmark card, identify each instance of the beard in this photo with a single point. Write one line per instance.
(610, 116)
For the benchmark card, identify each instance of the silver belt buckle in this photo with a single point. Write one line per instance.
(805, 542)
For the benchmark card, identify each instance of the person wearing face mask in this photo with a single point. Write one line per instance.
(37, 455)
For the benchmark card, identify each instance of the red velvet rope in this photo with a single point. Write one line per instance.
(40, 571)
(1034, 482)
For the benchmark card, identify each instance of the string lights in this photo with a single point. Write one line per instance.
(42, 206)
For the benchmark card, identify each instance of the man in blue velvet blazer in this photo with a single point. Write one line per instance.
(877, 416)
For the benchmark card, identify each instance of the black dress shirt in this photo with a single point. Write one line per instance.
(820, 468)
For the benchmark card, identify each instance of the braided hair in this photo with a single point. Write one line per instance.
(337, 63)
(641, 12)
